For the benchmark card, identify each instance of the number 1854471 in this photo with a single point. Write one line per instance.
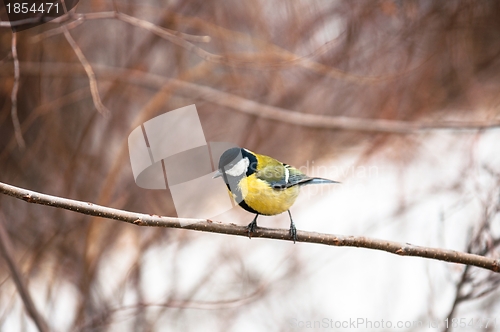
(26, 8)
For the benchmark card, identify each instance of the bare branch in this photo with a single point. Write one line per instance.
(205, 225)
(7, 251)
(175, 37)
(57, 31)
(90, 73)
(13, 96)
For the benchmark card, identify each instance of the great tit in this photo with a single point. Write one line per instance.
(261, 184)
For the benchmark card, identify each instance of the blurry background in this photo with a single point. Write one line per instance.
(432, 62)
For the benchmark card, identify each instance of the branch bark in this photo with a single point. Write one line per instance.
(206, 225)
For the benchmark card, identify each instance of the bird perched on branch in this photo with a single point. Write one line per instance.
(262, 185)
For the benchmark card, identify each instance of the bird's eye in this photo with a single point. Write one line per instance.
(253, 166)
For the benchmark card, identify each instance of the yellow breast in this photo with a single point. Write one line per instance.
(262, 198)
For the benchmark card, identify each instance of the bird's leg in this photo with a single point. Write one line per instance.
(252, 226)
(293, 230)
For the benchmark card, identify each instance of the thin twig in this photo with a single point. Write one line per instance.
(261, 110)
(456, 301)
(13, 96)
(175, 37)
(205, 225)
(56, 31)
(172, 35)
(7, 251)
(90, 73)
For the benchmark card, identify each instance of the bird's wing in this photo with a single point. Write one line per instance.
(281, 176)
(296, 177)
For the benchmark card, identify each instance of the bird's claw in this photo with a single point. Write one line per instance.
(251, 227)
(293, 232)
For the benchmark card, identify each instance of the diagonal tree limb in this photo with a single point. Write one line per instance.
(205, 225)
(251, 107)
(7, 252)
(13, 96)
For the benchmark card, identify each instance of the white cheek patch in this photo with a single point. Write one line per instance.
(240, 167)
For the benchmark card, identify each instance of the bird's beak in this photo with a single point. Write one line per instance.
(217, 174)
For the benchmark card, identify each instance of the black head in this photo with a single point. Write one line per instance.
(237, 162)
(234, 165)
(230, 158)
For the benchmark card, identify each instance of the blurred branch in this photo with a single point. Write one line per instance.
(13, 96)
(279, 57)
(457, 300)
(471, 284)
(7, 252)
(185, 304)
(202, 305)
(90, 73)
(261, 110)
(205, 225)
(176, 37)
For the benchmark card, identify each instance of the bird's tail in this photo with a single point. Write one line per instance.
(319, 181)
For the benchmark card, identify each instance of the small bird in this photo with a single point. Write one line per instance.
(262, 185)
